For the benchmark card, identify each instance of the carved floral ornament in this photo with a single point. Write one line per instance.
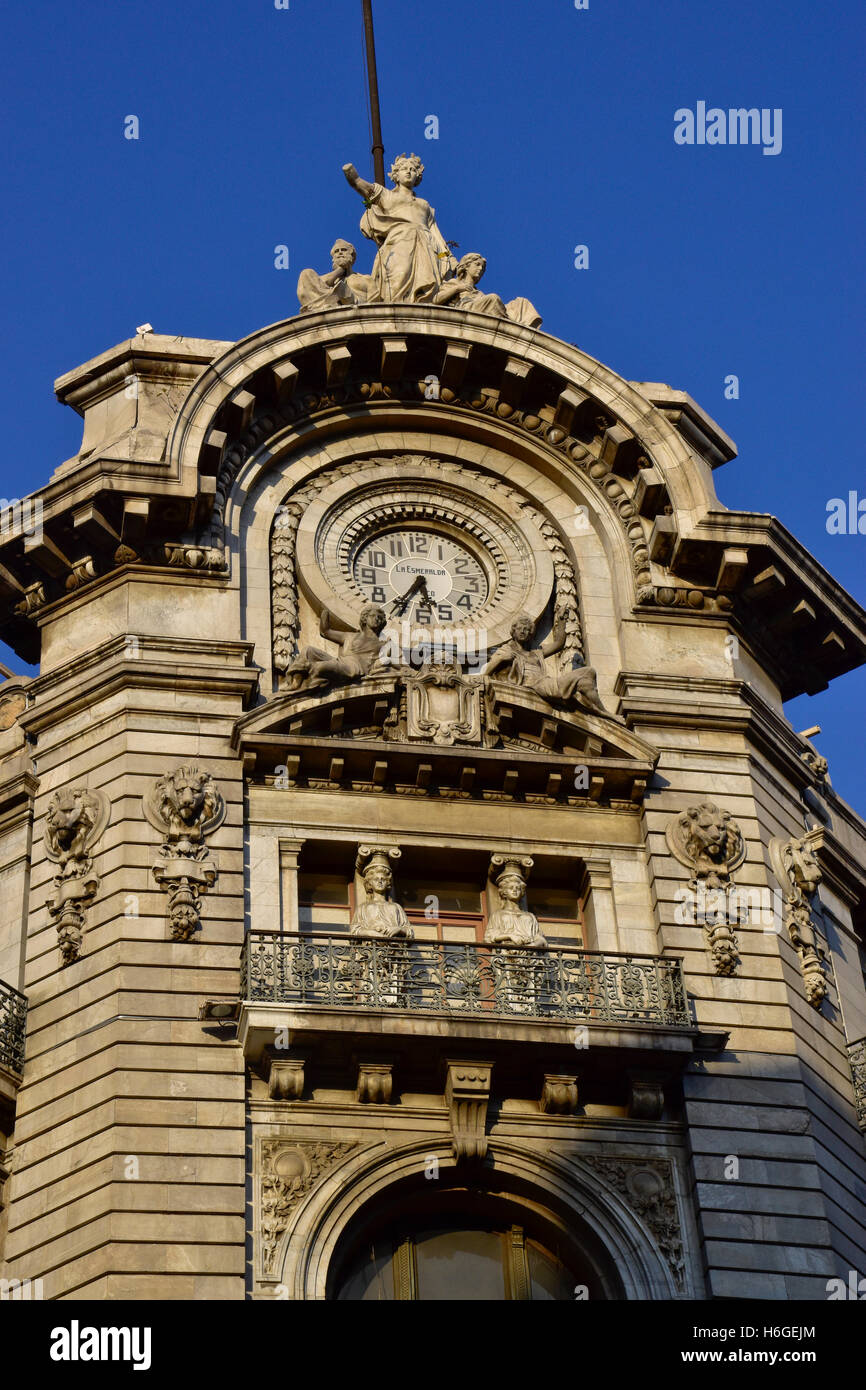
(288, 1173)
(647, 1185)
(708, 841)
(75, 819)
(184, 806)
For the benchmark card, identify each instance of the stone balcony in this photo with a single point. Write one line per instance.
(333, 999)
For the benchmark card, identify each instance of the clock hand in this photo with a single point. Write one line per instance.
(400, 605)
(425, 599)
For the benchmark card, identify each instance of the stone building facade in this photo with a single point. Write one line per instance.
(525, 949)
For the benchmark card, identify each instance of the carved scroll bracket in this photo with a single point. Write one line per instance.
(467, 1095)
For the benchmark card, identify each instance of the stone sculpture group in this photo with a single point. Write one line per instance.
(365, 652)
(414, 264)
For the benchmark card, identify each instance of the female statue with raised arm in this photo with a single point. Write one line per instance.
(413, 258)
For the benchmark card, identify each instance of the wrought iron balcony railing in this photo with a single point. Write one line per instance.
(857, 1057)
(334, 970)
(13, 1012)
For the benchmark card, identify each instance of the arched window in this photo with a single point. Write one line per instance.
(455, 1262)
(465, 1247)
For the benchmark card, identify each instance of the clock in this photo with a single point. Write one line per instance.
(421, 575)
(434, 546)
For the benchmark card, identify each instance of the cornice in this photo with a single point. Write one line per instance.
(198, 665)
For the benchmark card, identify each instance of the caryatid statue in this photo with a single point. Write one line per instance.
(378, 915)
(522, 664)
(510, 925)
(360, 653)
(461, 292)
(337, 288)
(413, 257)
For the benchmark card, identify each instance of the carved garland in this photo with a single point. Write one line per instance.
(286, 620)
(208, 553)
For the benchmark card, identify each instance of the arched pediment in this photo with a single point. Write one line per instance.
(321, 375)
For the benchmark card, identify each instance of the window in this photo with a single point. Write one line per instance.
(446, 909)
(323, 902)
(558, 912)
(455, 1262)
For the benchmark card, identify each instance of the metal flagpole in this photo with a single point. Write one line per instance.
(378, 149)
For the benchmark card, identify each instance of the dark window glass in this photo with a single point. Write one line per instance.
(322, 888)
(450, 1263)
(453, 895)
(462, 1265)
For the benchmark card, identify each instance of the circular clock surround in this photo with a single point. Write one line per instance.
(502, 550)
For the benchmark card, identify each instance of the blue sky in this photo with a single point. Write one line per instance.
(555, 129)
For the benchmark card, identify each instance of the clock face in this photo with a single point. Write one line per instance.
(422, 576)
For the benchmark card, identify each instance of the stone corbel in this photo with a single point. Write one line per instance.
(375, 1082)
(75, 820)
(796, 867)
(559, 1094)
(184, 806)
(707, 840)
(286, 1078)
(467, 1095)
(646, 1099)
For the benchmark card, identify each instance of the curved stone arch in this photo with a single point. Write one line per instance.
(222, 395)
(271, 477)
(240, 363)
(545, 1184)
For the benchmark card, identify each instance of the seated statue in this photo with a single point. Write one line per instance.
(523, 665)
(360, 653)
(336, 288)
(461, 293)
(509, 925)
(378, 915)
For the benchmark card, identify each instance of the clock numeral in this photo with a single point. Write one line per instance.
(473, 586)
(395, 545)
(445, 612)
(465, 601)
(378, 558)
(378, 594)
(460, 564)
(419, 544)
(368, 575)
